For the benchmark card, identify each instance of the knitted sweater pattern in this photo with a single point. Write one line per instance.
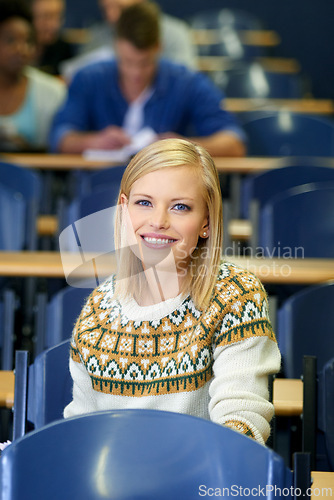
(169, 354)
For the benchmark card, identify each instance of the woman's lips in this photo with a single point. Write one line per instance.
(157, 242)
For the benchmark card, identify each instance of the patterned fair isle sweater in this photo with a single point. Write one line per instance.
(171, 356)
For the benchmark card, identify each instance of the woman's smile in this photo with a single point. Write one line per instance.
(157, 241)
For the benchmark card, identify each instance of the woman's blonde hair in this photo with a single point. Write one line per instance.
(205, 259)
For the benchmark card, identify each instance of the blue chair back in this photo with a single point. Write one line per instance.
(12, 220)
(299, 222)
(106, 178)
(138, 454)
(49, 386)
(7, 318)
(253, 81)
(25, 186)
(264, 186)
(87, 224)
(62, 312)
(93, 202)
(289, 134)
(325, 459)
(305, 327)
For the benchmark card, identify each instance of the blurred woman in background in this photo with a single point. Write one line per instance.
(28, 97)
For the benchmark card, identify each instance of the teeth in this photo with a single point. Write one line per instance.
(158, 241)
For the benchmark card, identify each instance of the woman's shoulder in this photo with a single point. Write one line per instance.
(230, 273)
(41, 78)
(103, 293)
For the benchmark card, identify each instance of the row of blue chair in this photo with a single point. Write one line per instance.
(43, 389)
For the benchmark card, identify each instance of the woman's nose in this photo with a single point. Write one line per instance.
(159, 218)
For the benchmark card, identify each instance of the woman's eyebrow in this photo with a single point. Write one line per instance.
(179, 198)
(183, 198)
(142, 194)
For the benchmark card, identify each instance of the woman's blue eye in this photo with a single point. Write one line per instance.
(143, 203)
(181, 207)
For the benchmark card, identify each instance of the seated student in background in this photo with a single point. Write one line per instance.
(28, 97)
(176, 328)
(110, 101)
(51, 47)
(176, 41)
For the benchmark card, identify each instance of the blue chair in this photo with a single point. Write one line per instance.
(261, 187)
(85, 205)
(138, 454)
(284, 133)
(318, 413)
(326, 416)
(305, 327)
(253, 81)
(56, 318)
(89, 182)
(7, 319)
(228, 23)
(25, 186)
(236, 19)
(44, 390)
(299, 222)
(230, 45)
(12, 221)
(87, 225)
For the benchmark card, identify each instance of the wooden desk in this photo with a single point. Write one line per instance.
(275, 271)
(7, 379)
(227, 165)
(323, 485)
(259, 38)
(309, 106)
(288, 397)
(46, 161)
(275, 64)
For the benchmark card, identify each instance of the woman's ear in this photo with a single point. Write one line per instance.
(205, 231)
(124, 199)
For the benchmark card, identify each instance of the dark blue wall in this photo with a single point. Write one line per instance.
(305, 28)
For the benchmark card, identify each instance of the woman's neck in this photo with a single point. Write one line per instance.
(13, 92)
(159, 286)
(10, 80)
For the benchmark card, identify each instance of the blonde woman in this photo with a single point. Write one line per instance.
(176, 328)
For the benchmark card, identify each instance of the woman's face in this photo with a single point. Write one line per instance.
(168, 213)
(16, 45)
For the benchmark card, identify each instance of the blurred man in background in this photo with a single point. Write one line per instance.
(109, 102)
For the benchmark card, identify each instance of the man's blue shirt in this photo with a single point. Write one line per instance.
(184, 101)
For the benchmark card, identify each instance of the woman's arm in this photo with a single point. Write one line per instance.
(239, 390)
(83, 394)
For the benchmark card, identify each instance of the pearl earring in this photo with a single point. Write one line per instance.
(204, 234)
